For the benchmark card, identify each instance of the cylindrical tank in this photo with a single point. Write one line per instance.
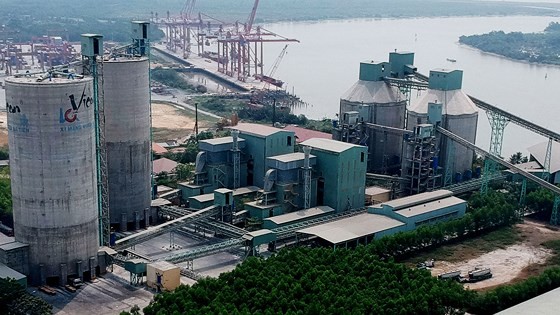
(53, 172)
(459, 115)
(126, 97)
(378, 103)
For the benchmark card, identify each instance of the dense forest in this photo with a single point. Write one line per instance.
(533, 47)
(24, 19)
(364, 280)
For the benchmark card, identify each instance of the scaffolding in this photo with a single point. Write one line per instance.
(421, 162)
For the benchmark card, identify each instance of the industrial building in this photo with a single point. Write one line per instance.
(51, 127)
(341, 170)
(399, 215)
(126, 97)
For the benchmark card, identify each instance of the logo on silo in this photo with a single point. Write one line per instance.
(20, 124)
(70, 115)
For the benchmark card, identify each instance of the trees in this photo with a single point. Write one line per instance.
(14, 300)
(518, 158)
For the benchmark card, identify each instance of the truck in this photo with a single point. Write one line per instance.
(451, 275)
(479, 274)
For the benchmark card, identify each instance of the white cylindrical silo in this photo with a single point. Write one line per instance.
(53, 174)
(459, 115)
(126, 100)
(379, 103)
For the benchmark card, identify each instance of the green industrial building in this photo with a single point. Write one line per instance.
(262, 142)
(341, 170)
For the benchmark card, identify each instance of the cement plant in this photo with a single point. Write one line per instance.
(95, 231)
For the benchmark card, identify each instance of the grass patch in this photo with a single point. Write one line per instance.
(473, 247)
(553, 245)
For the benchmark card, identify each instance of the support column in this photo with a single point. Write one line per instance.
(124, 221)
(147, 217)
(547, 158)
(79, 270)
(63, 274)
(92, 266)
(101, 262)
(136, 220)
(42, 274)
(554, 216)
(498, 124)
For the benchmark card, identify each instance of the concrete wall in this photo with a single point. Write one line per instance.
(126, 92)
(53, 173)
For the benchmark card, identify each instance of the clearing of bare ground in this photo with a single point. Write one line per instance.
(512, 253)
(170, 122)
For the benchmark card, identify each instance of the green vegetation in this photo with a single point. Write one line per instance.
(473, 247)
(27, 26)
(534, 47)
(279, 10)
(321, 280)
(14, 300)
(172, 79)
(5, 193)
(504, 297)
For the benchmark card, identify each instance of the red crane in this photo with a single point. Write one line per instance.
(251, 19)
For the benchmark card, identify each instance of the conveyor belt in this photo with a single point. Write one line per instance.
(165, 228)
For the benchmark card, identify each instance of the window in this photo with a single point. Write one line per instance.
(289, 141)
(362, 156)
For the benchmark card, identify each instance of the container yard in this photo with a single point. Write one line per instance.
(88, 215)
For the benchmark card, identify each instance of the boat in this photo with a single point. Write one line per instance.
(275, 82)
(451, 60)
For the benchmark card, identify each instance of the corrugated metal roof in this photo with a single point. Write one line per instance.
(257, 129)
(330, 145)
(203, 198)
(222, 140)
(164, 165)
(538, 151)
(7, 272)
(416, 199)
(543, 304)
(303, 134)
(158, 148)
(352, 228)
(370, 92)
(375, 190)
(245, 190)
(160, 202)
(301, 214)
(13, 245)
(455, 102)
(430, 206)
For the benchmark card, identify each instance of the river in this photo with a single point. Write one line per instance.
(326, 62)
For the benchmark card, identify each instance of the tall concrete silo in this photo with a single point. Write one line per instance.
(459, 115)
(52, 169)
(372, 100)
(126, 96)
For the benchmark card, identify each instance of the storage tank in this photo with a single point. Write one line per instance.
(377, 102)
(459, 115)
(53, 174)
(126, 94)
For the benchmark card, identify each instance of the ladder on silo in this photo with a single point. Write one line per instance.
(94, 67)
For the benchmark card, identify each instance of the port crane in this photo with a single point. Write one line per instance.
(270, 78)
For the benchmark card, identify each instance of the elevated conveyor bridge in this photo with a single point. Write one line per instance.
(166, 227)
